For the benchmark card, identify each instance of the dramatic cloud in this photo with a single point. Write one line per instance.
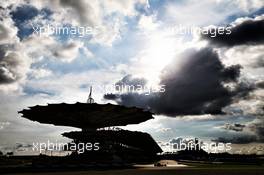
(248, 32)
(91, 13)
(260, 84)
(249, 132)
(179, 13)
(46, 46)
(68, 52)
(196, 86)
(129, 80)
(40, 73)
(234, 127)
(246, 56)
(21, 147)
(8, 31)
(244, 46)
(111, 96)
(257, 127)
(138, 37)
(83, 10)
(13, 65)
(237, 140)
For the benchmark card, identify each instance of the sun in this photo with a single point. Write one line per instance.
(160, 50)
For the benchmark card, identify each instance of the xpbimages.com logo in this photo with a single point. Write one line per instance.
(211, 31)
(185, 144)
(78, 31)
(80, 147)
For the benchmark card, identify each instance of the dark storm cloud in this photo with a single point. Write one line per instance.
(192, 88)
(249, 32)
(237, 140)
(111, 96)
(254, 128)
(129, 80)
(22, 147)
(234, 127)
(258, 128)
(138, 100)
(260, 84)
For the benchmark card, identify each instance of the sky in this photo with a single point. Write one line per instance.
(213, 82)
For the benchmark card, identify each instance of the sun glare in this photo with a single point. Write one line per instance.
(159, 52)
